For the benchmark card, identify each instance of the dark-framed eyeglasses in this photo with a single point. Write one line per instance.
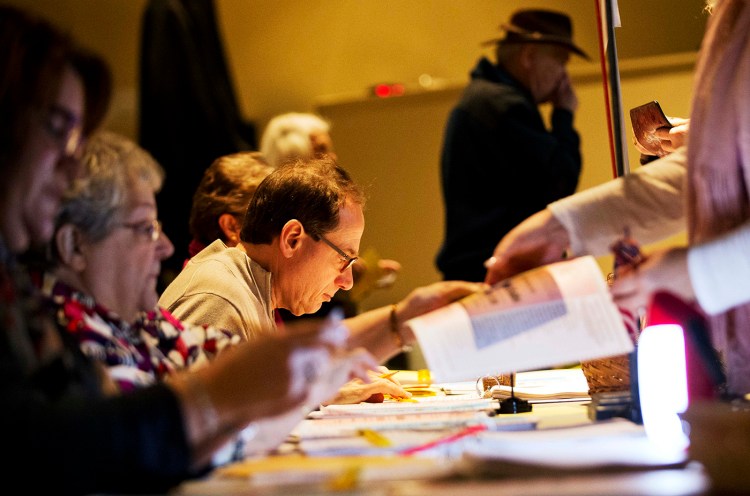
(149, 229)
(347, 260)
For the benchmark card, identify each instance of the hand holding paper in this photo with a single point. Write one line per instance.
(544, 317)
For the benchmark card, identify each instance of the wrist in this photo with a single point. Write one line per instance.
(396, 331)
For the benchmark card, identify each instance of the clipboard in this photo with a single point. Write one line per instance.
(646, 119)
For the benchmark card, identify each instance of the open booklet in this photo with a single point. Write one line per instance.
(555, 314)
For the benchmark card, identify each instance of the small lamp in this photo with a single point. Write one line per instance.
(662, 384)
(676, 365)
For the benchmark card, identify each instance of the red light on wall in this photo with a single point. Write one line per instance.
(388, 90)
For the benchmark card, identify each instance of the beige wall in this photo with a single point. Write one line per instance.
(286, 53)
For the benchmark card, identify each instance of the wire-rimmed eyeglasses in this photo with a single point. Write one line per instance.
(150, 229)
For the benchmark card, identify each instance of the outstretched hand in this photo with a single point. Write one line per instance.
(662, 270)
(537, 241)
(428, 298)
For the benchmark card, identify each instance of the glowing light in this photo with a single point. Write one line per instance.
(388, 90)
(662, 385)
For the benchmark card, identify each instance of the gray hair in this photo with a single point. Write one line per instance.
(287, 137)
(111, 165)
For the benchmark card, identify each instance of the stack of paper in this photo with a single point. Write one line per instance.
(547, 385)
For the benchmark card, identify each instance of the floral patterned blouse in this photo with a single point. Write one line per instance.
(139, 353)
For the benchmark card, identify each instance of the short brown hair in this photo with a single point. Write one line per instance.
(226, 188)
(312, 191)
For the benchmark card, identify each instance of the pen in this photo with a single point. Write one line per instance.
(388, 375)
(468, 431)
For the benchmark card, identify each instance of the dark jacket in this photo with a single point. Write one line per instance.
(61, 433)
(499, 165)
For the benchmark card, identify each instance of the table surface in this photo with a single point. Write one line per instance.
(437, 476)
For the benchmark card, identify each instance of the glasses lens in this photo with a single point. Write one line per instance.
(349, 262)
(155, 230)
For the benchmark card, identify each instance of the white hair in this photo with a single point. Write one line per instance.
(287, 137)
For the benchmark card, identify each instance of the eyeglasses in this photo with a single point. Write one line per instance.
(346, 259)
(150, 229)
(65, 129)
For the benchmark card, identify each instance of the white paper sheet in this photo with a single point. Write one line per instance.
(556, 314)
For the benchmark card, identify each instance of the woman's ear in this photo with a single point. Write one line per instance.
(231, 228)
(290, 238)
(68, 244)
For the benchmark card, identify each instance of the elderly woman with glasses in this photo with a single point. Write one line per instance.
(106, 256)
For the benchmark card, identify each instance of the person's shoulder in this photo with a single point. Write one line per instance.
(489, 98)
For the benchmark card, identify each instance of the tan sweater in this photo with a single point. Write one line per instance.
(223, 287)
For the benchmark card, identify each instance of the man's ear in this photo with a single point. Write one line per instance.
(230, 227)
(290, 238)
(68, 244)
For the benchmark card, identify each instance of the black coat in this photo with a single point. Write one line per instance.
(499, 165)
(189, 114)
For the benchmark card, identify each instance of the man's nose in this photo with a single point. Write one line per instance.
(345, 280)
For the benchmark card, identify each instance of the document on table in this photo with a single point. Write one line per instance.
(615, 445)
(432, 404)
(559, 313)
(360, 429)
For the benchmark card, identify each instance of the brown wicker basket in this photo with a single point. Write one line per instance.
(607, 374)
(493, 380)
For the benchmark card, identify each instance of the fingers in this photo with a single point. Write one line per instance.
(362, 363)
(674, 137)
(454, 290)
(385, 386)
(389, 265)
(357, 392)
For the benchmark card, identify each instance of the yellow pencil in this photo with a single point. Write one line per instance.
(388, 375)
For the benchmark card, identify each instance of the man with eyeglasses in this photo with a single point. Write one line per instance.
(298, 242)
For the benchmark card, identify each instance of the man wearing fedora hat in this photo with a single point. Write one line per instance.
(500, 163)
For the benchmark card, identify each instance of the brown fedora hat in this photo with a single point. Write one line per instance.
(539, 26)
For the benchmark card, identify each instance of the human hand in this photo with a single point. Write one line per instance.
(669, 138)
(662, 270)
(537, 241)
(674, 137)
(388, 270)
(564, 96)
(356, 391)
(275, 373)
(334, 384)
(371, 273)
(427, 298)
